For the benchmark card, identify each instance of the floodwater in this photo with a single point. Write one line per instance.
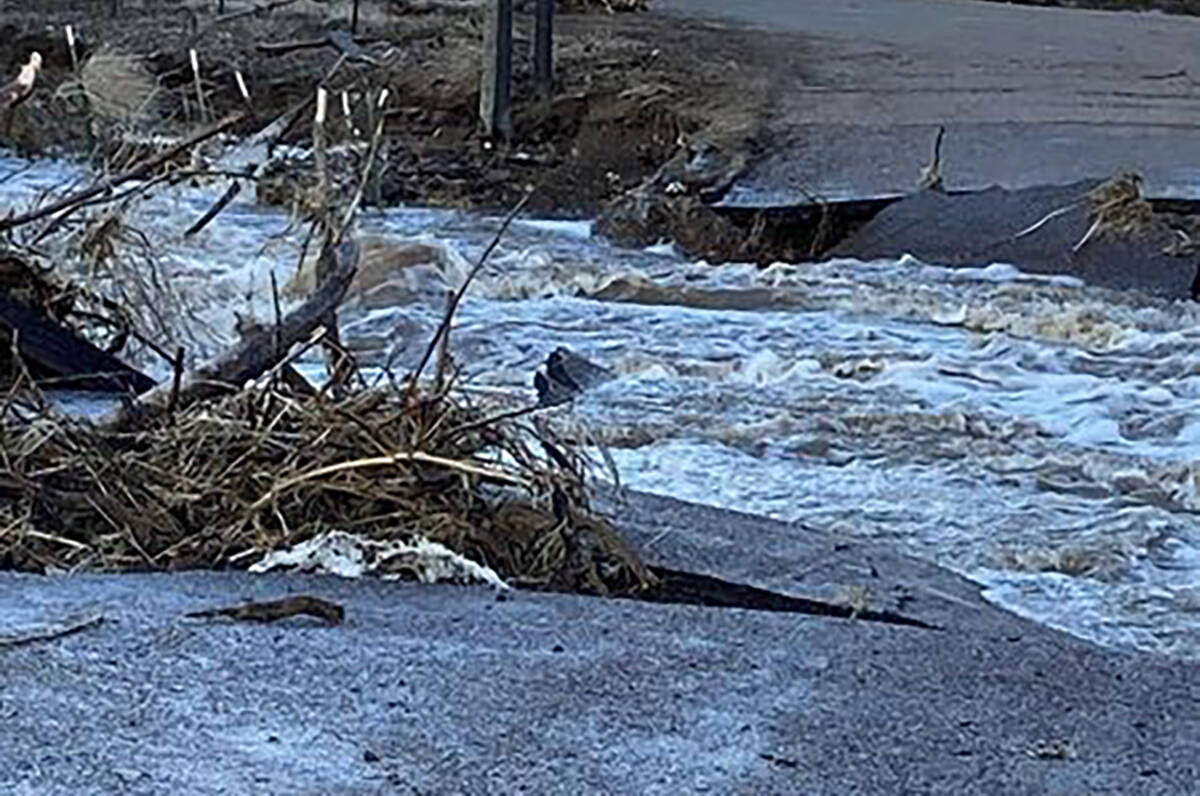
(1035, 434)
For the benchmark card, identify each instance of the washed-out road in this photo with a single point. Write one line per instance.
(1028, 96)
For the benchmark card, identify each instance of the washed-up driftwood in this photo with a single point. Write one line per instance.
(63, 360)
(302, 604)
(348, 45)
(258, 351)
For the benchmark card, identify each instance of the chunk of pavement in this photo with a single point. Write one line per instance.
(1002, 226)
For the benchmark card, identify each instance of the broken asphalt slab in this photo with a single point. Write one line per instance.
(444, 688)
(1044, 230)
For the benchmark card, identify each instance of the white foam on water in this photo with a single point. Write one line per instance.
(1034, 433)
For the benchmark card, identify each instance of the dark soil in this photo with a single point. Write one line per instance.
(629, 88)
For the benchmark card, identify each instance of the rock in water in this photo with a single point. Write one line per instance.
(567, 375)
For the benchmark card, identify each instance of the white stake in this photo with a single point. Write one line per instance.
(322, 102)
(237, 73)
(199, 87)
(71, 47)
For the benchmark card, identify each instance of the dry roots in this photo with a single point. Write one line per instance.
(1117, 209)
(230, 479)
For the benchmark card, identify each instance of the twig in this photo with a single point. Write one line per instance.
(1088, 235)
(176, 380)
(443, 359)
(233, 190)
(19, 361)
(931, 175)
(396, 458)
(64, 629)
(491, 420)
(316, 337)
(444, 327)
(1046, 219)
(278, 314)
(269, 611)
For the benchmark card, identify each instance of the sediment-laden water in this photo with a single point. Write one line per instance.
(1038, 435)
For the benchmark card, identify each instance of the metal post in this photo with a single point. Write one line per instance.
(354, 19)
(495, 96)
(543, 48)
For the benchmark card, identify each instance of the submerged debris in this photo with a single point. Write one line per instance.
(567, 375)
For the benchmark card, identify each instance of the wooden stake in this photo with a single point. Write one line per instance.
(322, 166)
(71, 47)
(199, 88)
(241, 83)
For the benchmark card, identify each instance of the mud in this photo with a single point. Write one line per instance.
(631, 90)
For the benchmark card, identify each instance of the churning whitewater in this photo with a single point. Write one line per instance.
(1035, 434)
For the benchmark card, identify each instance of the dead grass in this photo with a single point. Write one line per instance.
(228, 481)
(116, 86)
(1117, 210)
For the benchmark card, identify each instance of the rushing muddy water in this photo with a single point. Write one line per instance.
(1035, 434)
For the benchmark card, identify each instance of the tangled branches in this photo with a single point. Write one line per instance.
(228, 480)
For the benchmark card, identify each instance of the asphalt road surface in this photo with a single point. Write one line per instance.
(445, 689)
(1028, 96)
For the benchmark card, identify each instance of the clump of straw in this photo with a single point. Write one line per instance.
(225, 482)
(1116, 209)
(116, 86)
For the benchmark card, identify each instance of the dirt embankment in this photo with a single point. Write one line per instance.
(636, 96)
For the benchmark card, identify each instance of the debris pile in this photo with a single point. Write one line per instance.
(227, 481)
(237, 462)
